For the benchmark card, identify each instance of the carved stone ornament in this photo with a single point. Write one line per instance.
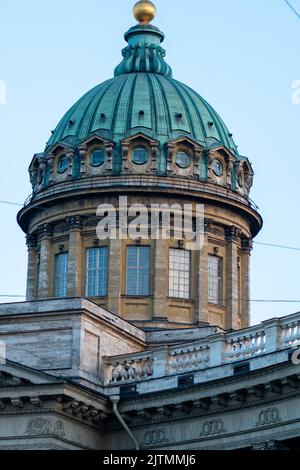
(45, 426)
(155, 437)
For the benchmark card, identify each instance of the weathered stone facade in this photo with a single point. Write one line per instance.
(165, 369)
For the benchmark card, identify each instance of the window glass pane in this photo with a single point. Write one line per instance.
(96, 272)
(215, 280)
(140, 156)
(61, 275)
(62, 164)
(138, 270)
(183, 159)
(97, 157)
(179, 273)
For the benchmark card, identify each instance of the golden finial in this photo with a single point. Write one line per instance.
(144, 11)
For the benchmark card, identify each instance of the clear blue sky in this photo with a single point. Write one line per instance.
(241, 55)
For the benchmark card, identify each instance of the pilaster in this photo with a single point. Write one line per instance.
(232, 291)
(31, 241)
(45, 281)
(75, 257)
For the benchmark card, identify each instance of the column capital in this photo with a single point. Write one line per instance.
(45, 231)
(232, 233)
(74, 222)
(247, 245)
(31, 242)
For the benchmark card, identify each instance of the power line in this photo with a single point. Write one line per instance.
(224, 300)
(292, 8)
(273, 245)
(278, 246)
(10, 203)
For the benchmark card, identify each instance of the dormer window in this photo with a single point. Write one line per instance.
(62, 164)
(217, 167)
(183, 160)
(140, 155)
(97, 157)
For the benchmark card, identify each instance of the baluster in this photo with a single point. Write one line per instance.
(115, 372)
(186, 361)
(180, 363)
(138, 369)
(131, 371)
(123, 372)
(194, 359)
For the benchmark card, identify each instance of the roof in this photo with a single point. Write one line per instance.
(142, 97)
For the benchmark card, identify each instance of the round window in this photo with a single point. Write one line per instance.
(183, 159)
(140, 156)
(97, 157)
(62, 164)
(217, 168)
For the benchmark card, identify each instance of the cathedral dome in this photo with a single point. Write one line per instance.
(157, 105)
(143, 97)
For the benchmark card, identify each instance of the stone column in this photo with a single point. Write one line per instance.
(247, 246)
(201, 279)
(232, 291)
(31, 242)
(161, 280)
(45, 281)
(75, 257)
(114, 276)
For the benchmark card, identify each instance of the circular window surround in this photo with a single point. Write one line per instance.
(217, 167)
(143, 151)
(92, 154)
(62, 164)
(182, 153)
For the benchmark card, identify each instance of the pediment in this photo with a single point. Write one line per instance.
(184, 140)
(14, 374)
(94, 140)
(140, 136)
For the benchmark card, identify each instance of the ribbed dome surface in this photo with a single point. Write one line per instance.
(154, 104)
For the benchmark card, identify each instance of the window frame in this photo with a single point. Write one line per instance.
(138, 269)
(57, 288)
(172, 291)
(97, 272)
(219, 281)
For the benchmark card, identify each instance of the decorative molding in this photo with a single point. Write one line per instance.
(268, 416)
(74, 222)
(247, 246)
(45, 426)
(45, 231)
(213, 427)
(155, 437)
(31, 242)
(232, 233)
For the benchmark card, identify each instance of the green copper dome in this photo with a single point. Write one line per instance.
(142, 97)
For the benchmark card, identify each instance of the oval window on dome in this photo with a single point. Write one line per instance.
(62, 164)
(140, 155)
(217, 168)
(97, 157)
(183, 160)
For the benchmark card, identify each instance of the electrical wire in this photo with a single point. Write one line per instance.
(292, 8)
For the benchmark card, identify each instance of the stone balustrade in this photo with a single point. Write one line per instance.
(186, 359)
(215, 350)
(129, 368)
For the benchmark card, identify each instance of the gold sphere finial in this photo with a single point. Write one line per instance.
(144, 11)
